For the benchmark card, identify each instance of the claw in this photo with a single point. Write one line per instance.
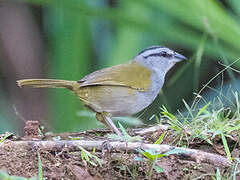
(106, 147)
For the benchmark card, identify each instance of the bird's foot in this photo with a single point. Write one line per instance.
(106, 147)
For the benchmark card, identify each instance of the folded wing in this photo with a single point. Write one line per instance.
(132, 75)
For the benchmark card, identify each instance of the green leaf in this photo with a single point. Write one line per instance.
(149, 155)
(160, 139)
(159, 169)
(85, 155)
(159, 155)
(5, 137)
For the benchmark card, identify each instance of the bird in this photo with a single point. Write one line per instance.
(120, 90)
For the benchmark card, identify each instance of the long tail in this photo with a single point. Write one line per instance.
(46, 83)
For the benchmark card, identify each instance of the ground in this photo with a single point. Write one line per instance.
(62, 162)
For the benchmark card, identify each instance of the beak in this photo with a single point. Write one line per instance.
(179, 56)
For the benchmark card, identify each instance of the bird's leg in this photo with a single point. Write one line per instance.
(106, 119)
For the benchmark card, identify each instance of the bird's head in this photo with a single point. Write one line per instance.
(161, 57)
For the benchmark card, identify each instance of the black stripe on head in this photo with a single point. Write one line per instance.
(150, 48)
(161, 54)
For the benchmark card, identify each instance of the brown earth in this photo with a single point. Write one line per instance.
(65, 164)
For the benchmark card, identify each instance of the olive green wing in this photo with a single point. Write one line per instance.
(132, 74)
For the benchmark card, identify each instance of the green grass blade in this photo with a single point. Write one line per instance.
(218, 174)
(198, 61)
(225, 145)
(40, 171)
(203, 109)
(188, 108)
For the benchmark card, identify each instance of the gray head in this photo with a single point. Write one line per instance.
(159, 57)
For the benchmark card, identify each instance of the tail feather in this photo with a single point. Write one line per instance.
(46, 83)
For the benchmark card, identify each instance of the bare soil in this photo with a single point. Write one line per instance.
(65, 164)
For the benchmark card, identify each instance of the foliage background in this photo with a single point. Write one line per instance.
(76, 37)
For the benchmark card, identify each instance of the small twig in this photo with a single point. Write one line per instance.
(133, 147)
(151, 129)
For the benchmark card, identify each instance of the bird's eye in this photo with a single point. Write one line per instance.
(164, 54)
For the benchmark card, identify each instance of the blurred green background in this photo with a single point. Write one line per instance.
(67, 39)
